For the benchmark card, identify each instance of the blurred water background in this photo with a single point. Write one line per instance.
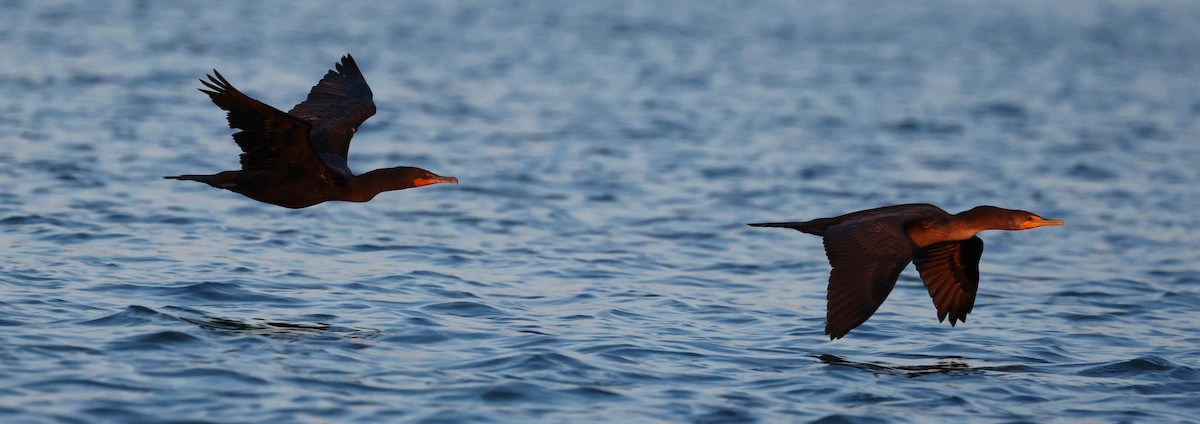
(594, 263)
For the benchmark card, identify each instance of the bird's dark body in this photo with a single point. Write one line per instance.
(868, 250)
(293, 188)
(298, 158)
(883, 216)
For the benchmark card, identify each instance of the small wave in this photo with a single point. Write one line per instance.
(999, 109)
(1091, 172)
(157, 340)
(212, 376)
(31, 220)
(520, 391)
(132, 315)
(725, 415)
(464, 309)
(225, 292)
(530, 362)
(67, 384)
(1139, 366)
(917, 126)
(417, 337)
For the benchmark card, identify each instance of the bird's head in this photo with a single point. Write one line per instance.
(1008, 219)
(399, 178)
(421, 177)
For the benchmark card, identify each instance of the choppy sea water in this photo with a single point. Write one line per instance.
(594, 265)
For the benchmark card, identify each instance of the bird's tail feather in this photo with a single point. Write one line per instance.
(816, 227)
(200, 178)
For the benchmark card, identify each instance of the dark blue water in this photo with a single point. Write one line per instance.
(594, 264)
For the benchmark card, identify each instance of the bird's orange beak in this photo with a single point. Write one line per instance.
(1041, 222)
(434, 180)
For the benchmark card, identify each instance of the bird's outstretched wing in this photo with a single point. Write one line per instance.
(867, 257)
(950, 271)
(270, 139)
(336, 106)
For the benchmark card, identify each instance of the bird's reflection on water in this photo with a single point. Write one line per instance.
(951, 365)
(278, 328)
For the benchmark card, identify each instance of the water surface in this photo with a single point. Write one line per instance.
(594, 265)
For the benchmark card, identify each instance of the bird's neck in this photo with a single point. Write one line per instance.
(956, 228)
(364, 187)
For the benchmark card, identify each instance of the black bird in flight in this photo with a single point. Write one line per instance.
(868, 249)
(298, 159)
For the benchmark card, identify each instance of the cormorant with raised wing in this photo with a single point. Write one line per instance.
(298, 159)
